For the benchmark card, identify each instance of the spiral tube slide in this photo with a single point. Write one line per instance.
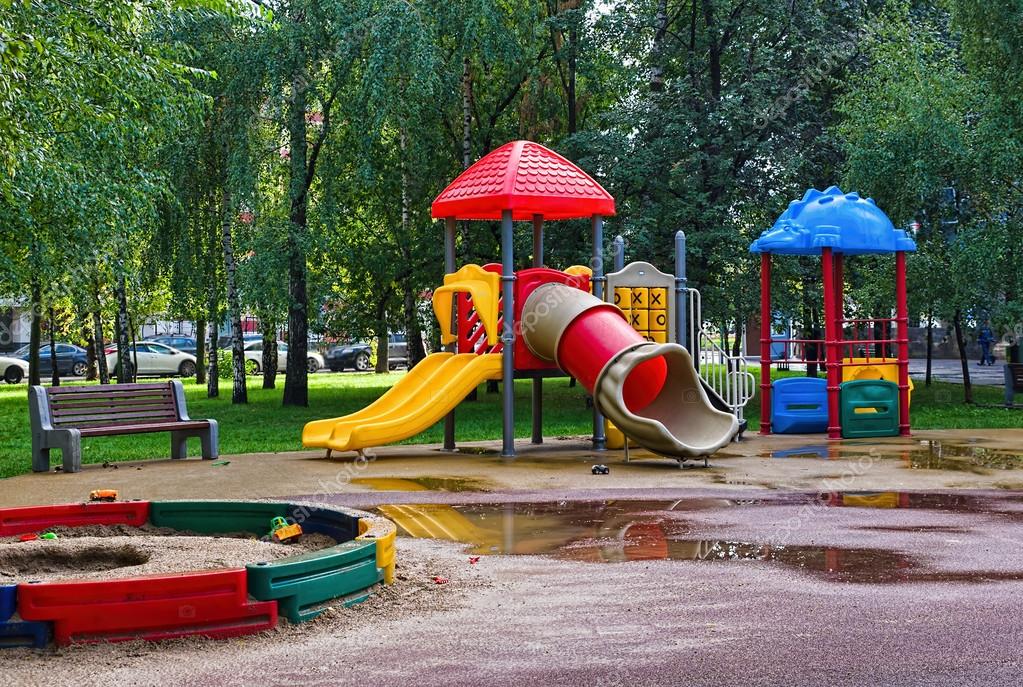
(650, 391)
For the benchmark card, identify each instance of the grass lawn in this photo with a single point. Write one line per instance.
(265, 426)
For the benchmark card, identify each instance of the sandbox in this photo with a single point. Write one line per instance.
(352, 551)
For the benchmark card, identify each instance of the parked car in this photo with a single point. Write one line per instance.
(14, 369)
(71, 360)
(155, 359)
(225, 341)
(359, 356)
(185, 344)
(254, 357)
(397, 351)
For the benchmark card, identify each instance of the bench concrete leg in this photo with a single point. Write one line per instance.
(208, 437)
(72, 451)
(179, 445)
(40, 457)
(68, 441)
(211, 441)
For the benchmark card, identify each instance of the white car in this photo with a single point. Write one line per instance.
(254, 358)
(156, 359)
(14, 369)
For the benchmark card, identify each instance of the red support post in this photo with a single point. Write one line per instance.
(765, 343)
(902, 320)
(838, 263)
(831, 346)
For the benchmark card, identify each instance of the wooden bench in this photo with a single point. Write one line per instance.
(62, 416)
(1013, 382)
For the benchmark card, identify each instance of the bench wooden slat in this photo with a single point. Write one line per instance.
(75, 390)
(65, 414)
(113, 419)
(111, 430)
(116, 400)
(121, 394)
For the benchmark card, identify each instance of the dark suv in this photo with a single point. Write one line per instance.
(358, 356)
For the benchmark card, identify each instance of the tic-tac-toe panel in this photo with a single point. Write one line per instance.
(644, 293)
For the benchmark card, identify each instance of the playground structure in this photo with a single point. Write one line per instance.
(864, 395)
(501, 324)
(211, 603)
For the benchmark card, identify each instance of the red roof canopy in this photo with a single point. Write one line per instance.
(527, 179)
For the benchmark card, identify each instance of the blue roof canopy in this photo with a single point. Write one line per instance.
(843, 222)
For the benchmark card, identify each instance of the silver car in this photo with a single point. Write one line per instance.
(156, 359)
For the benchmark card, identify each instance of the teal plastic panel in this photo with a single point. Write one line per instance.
(878, 405)
(216, 517)
(301, 583)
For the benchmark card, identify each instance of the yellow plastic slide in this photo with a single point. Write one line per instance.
(426, 394)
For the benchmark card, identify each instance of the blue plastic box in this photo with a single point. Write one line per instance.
(799, 405)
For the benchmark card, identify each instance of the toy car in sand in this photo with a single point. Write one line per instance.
(284, 533)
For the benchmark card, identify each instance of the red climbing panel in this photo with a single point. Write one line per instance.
(15, 521)
(212, 603)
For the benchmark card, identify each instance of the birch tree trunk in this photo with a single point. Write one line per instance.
(239, 393)
(381, 313)
(101, 346)
(54, 372)
(957, 323)
(466, 113)
(91, 361)
(213, 369)
(296, 382)
(125, 366)
(200, 352)
(35, 335)
(269, 356)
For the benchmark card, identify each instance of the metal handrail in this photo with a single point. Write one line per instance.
(727, 374)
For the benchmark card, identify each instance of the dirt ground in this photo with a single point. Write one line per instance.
(790, 561)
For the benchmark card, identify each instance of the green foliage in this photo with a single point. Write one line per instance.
(225, 363)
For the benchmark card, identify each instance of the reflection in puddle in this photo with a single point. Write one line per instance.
(621, 531)
(928, 454)
(939, 455)
(423, 484)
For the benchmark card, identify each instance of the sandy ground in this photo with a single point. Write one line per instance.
(927, 594)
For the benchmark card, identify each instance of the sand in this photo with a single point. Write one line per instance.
(105, 552)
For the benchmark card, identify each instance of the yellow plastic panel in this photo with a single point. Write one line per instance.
(658, 299)
(484, 287)
(658, 320)
(640, 298)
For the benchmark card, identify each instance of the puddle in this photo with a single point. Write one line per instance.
(623, 531)
(451, 484)
(928, 454)
(939, 455)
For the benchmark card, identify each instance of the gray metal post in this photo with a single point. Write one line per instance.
(449, 267)
(599, 438)
(508, 334)
(537, 406)
(681, 302)
(618, 253)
